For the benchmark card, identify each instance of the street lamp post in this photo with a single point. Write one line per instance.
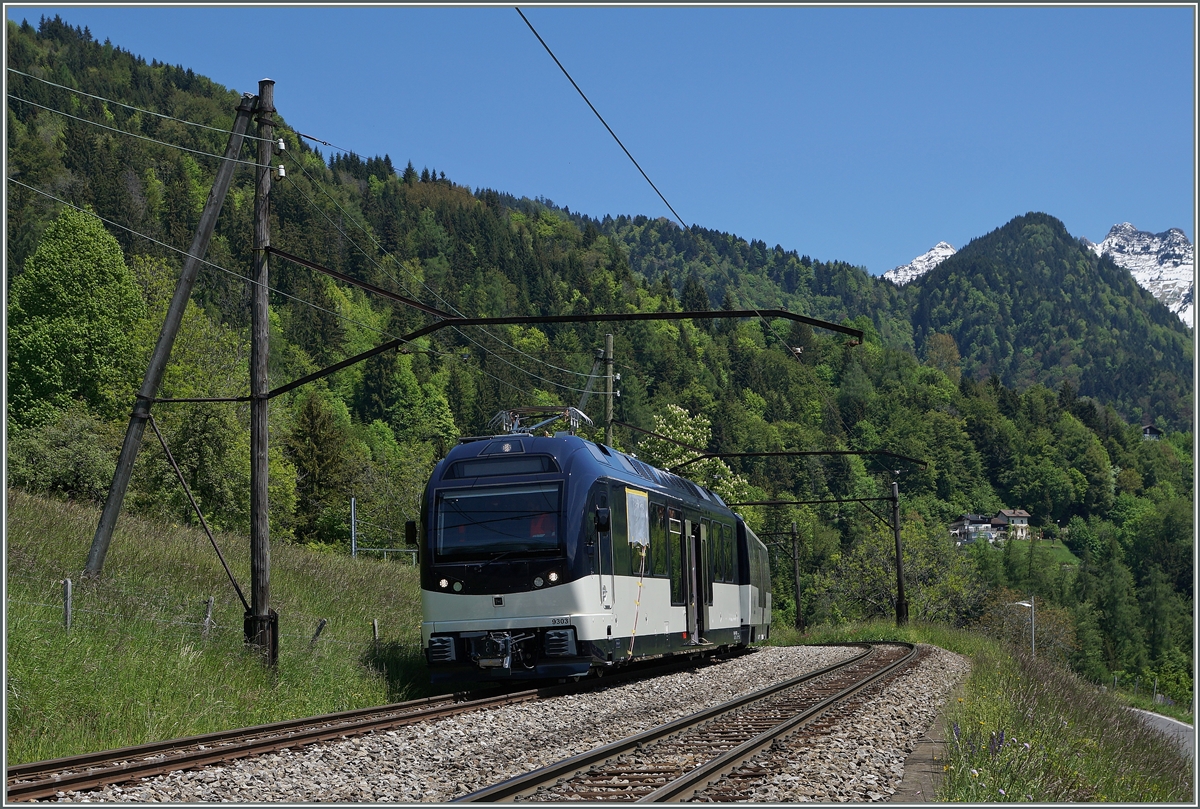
(1032, 624)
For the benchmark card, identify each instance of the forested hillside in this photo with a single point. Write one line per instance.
(1030, 303)
(102, 198)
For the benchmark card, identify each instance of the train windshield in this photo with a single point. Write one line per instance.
(481, 523)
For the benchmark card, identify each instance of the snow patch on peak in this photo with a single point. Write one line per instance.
(920, 265)
(1162, 263)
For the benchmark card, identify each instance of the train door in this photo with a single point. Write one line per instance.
(604, 554)
(695, 542)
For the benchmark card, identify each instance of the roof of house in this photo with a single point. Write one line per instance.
(1013, 512)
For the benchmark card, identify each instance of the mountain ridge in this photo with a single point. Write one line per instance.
(1162, 263)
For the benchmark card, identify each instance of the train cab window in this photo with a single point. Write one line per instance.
(479, 523)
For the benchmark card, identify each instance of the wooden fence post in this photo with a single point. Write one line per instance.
(67, 604)
(375, 633)
(208, 618)
(317, 634)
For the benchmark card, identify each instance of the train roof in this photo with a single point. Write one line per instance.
(619, 464)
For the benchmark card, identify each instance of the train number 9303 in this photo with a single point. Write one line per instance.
(560, 621)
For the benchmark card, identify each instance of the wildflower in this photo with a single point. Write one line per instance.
(974, 773)
(1028, 797)
(1002, 792)
(1026, 745)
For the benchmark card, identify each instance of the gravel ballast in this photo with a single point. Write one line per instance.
(859, 758)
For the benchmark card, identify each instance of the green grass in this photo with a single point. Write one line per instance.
(1146, 702)
(1027, 730)
(1060, 554)
(136, 666)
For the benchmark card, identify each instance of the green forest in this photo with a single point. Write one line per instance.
(1021, 371)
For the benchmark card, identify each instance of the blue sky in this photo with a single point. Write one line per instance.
(859, 134)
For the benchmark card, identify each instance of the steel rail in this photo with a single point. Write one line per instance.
(34, 769)
(41, 779)
(690, 783)
(45, 779)
(528, 783)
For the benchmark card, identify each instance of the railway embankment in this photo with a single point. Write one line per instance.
(138, 666)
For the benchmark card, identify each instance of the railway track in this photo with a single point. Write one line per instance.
(43, 779)
(681, 759)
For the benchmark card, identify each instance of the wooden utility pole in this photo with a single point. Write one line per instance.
(166, 340)
(261, 624)
(901, 600)
(796, 570)
(608, 405)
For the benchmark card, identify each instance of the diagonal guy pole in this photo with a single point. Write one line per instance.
(166, 340)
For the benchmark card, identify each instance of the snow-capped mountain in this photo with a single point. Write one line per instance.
(1162, 263)
(920, 265)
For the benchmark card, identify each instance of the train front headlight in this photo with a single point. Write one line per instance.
(553, 576)
(444, 583)
(537, 581)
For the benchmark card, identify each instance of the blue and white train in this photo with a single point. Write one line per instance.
(555, 557)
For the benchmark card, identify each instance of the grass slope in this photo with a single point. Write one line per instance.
(136, 666)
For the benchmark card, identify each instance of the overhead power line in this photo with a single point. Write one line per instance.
(131, 134)
(434, 293)
(225, 270)
(131, 107)
(678, 218)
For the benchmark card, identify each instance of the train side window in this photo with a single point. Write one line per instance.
(718, 549)
(637, 505)
(620, 532)
(706, 560)
(657, 563)
(727, 550)
(675, 544)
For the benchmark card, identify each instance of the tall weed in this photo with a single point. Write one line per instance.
(137, 665)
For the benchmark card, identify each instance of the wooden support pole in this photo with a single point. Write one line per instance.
(166, 340)
(258, 624)
(901, 600)
(796, 570)
(608, 405)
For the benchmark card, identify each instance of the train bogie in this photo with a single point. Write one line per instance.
(555, 557)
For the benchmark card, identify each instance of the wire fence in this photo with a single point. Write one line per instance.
(81, 611)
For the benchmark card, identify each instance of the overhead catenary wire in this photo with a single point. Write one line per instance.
(425, 286)
(705, 247)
